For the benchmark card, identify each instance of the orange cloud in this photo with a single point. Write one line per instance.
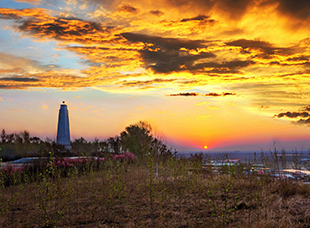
(38, 13)
(161, 48)
(16, 110)
(48, 79)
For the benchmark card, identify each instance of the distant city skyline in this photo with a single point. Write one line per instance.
(217, 74)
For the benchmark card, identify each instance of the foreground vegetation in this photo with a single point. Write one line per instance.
(134, 180)
(149, 192)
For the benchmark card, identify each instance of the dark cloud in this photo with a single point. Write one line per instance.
(293, 114)
(198, 18)
(219, 94)
(298, 9)
(213, 94)
(165, 55)
(171, 61)
(307, 108)
(266, 47)
(276, 63)
(230, 66)
(205, 4)
(157, 13)
(303, 122)
(197, 94)
(169, 58)
(228, 94)
(234, 8)
(147, 83)
(41, 25)
(166, 43)
(95, 48)
(303, 115)
(128, 9)
(61, 26)
(9, 16)
(19, 79)
(188, 94)
(299, 58)
(218, 71)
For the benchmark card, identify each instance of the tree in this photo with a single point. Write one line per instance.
(103, 147)
(35, 140)
(18, 139)
(115, 144)
(95, 146)
(137, 138)
(3, 136)
(10, 138)
(26, 137)
(81, 146)
(159, 149)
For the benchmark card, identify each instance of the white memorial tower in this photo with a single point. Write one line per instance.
(63, 130)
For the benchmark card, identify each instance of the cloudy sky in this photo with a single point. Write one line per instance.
(227, 74)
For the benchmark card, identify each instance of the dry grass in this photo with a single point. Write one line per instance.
(130, 195)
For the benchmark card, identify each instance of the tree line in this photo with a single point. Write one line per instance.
(136, 138)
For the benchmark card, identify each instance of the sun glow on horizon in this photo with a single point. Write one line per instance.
(205, 147)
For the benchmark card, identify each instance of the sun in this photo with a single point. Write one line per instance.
(205, 147)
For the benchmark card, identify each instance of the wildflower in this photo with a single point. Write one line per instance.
(100, 159)
(9, 170)
(125, 156)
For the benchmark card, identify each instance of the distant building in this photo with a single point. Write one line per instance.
(63, 130)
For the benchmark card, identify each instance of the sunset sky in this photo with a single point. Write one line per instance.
(226, 74)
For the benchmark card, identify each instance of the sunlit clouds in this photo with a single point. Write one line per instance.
(117, 48)
(252, 55)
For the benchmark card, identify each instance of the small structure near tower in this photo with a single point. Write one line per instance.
(63, 130)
